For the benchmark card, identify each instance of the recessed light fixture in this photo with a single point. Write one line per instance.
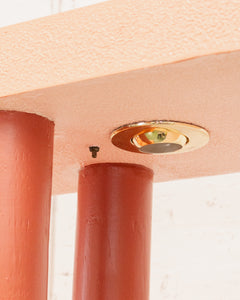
(159, 137)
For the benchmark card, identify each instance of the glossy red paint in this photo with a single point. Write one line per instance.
(26, 151)
(112, 258)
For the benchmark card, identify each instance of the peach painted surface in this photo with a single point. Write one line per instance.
(112, 37)
(205, 91)
(94, 69)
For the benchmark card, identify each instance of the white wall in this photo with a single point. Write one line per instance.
(16, 11)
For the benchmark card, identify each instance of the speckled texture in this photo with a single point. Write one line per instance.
(204, 91)
(112, 37)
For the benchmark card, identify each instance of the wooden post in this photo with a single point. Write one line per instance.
(112, 258)
(26, 151)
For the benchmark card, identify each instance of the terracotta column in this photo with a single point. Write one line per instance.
(26, 150)
(112, 258)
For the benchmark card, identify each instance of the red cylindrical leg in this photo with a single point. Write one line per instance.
(112, 258)
(26, 150)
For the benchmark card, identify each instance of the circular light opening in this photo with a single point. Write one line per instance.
(160, 148)
(160, 137)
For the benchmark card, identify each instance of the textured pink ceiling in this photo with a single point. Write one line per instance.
(112, 37)
(94, 69)
(204, 91)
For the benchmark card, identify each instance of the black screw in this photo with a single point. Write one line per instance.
(161, 136)
(94, 150)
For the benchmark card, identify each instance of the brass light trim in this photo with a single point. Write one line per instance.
(159, 137)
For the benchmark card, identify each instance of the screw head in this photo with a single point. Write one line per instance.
(94, 150)
(156, 136)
